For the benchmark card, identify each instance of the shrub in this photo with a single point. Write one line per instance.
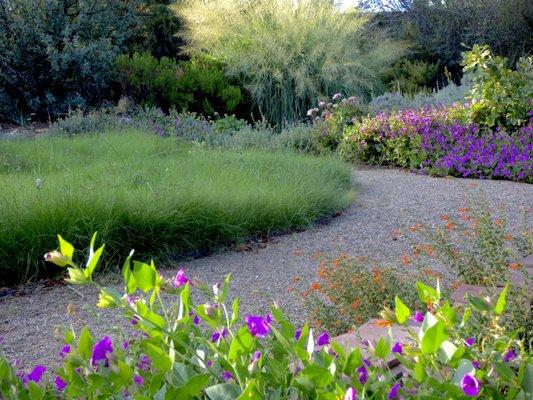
(411, 77)
(203, 351)
(58, 55)
(289, 53)
(439, 141)
(182, 200)
(198, 85)
(351, 290)
(500, 97)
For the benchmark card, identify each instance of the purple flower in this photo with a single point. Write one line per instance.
(350, 394)
(65, 350)
(363, 374)
(256, 356)
(36, 374)
(470, 385)
(297, 334)
(144, 363)
(418, 317)
(216, 335)
(509, 356)
(367, 362)
(195, 319)
(476, 364)
(135, 320)
(126, 345)
(100, 350)
(393, 394)
(470, 341)
(397, 348)
(323, 339)
(60, 384)
(226, 376)
(180, 279)
(139, 380)
(258, 326)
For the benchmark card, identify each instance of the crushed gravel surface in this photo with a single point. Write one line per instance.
(387, 200)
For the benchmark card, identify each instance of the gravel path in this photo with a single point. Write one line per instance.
(387, 200)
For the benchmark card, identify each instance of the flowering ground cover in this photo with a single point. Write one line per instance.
(185, 350)
(153, 194)
(438, 141)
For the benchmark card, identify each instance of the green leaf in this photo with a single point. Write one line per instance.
(65, 248)
(108, 298)
(314, 376)
(76, 276)
(129, 279)
(505, 372)
(427, 294)
(196, 384)
(93, 261)
(527, 381)
(223, 391)
(448, 349)
(502, 301)
(382, 349)
(250, 392)
(35, 391)
(402, 311)
(145, 276)
(353, 361)
(478, 303)
(85, 344)
(160, 359)
(465, 367)
(420, 372)
(235, 311)
(242, 344)
(433, 334)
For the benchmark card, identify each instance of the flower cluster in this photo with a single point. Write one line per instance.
(170, 356)
(439, 141)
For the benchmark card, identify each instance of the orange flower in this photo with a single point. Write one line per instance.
(455, 285)
(515, 266)
(382, 323)
(297, 253)
(315, 286)
(498, 222)
(416, 227)
(507, 237)
(463, 210)
(336, 262)
(444, 217)
(296, 279)
(316, 255)
(356, 303)
(450, 225)
(406, 260)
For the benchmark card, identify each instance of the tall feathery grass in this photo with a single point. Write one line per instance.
(288, 53)
(152, 194)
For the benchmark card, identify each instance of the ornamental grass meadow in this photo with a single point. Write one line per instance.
(171, 353)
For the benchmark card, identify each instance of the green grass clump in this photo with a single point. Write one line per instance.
(152, 194)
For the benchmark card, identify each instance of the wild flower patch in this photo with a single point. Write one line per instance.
(185, 350)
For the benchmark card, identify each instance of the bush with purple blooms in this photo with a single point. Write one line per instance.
(440, 141)
(187, 351)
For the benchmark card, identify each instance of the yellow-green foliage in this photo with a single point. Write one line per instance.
(288, 53)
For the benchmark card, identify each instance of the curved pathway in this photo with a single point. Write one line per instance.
(387, 199)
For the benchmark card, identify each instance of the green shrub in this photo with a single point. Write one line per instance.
(57, 55)
(289, 53)
(198, 85)
(180, 348)
(411, 77)
(159, 196)
(500, 96)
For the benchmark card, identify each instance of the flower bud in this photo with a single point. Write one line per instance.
(210, 310)
(57, 258)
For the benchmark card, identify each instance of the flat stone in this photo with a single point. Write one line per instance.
(459, 296)
(527, 262)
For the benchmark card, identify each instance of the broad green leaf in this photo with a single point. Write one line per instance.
(250, 392)
(145, 276)
(35, 391)
(433, 336)
(93, 262)
(160, 359)
(478, 303)
(196, 384)
(150, 316)
(85, 344)
(127, 274)
(314, 376)
(223, 391)
(502, 301)
(235, 311)
(465, 367)
(420, 372)
(427, 294)
(76, 276)
(353, 361)
(382, 349)
(108, 298)
(242, 343)
(527, 381)
(505, 372)
(448, 349)
(65, 248)
(402, 311)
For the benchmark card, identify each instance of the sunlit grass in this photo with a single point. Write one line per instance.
(154, 195)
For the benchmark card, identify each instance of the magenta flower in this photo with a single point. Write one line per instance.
(363, 374)
(509, 356)
(100, 351)
(470, 385)
(258, 326)
(476, 364)
(256, 356)
(36, 374)
(297, 334)
(59, 383)
(65, 350)
(323, 339)
(350, 394)
(139, 380)
(470, 341)
(180, 279)
(393, 394)
(397, 348)
(418, 317)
